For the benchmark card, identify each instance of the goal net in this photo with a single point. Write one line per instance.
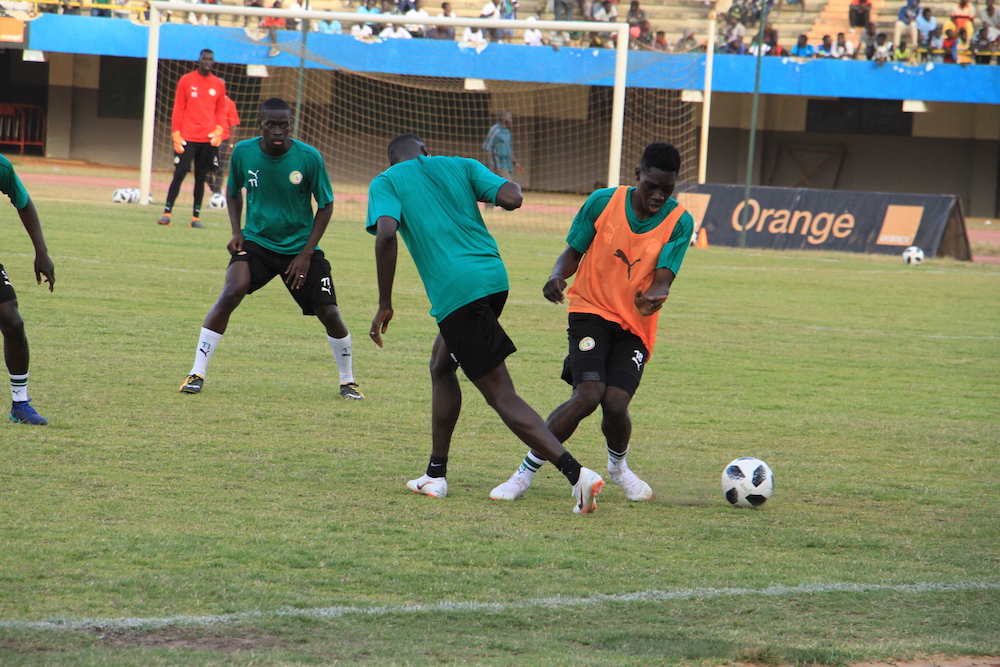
(561, 132)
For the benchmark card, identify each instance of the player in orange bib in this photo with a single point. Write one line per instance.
(625, 246)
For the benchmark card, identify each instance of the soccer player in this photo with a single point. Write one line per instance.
(625, 246)
(196, 125)
(281, 176)
(499, 144)
(15, 342)
(433, 202)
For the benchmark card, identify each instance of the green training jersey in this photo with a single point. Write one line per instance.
(581, 233)
(436, 202)
(11, 185)
(279, 212)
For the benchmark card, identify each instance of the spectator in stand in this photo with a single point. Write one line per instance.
(441, 32)
(770, 34)
(963, 15)
(989, 17)
(370, 7)
(925, 26)
(418, 11)
(802, 48)
(645, 38)
(686, 43)
(906, 20)
(635, 17)
(395, 31)
(661, 43)
(403, 6)
(447, 11)
(883, 50)
(825, 49)
(776, 49)
(104, 13)
(473, 36)
(949, 44)
(904, 54)
(331, 27)
(563, 9)
(867, 43)
(733, 35)
(362, 31)
(605, 12)
(962, 55)
(859, 13)
(982, 46)
(755, 46)
(273, 25)
(842, 49)
(935, 46)
(533, 36)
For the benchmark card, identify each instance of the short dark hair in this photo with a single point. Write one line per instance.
(660, 155)
(204, 51)
(401, 142)
(274, 104)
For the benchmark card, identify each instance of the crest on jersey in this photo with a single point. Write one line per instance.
(586, 344)
(295, 177)
(211, 92)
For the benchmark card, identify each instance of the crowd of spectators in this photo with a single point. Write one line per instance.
(963, 36)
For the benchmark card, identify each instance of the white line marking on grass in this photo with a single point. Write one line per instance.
(120, 624)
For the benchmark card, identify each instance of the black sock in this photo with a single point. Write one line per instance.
(438, 467)
(570, 467)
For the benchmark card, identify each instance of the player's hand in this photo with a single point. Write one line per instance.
(235, 245)
(553, 290)
(380, 323)
(216, 137)
(179, 142)
(518, 169)
(647, 305)
(44, 267)
(295, 274)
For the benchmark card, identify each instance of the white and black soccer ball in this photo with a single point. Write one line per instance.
(913, 255)
(134, 195)
(747, 482)
(121, 196)
(217, 201)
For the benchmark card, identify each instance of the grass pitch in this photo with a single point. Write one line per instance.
(266, 520)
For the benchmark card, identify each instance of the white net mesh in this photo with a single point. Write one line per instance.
(561, 132)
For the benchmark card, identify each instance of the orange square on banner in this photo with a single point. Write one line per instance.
(696, 203)
(900, 225)
(11, 30)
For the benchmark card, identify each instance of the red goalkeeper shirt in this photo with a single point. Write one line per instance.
(198, 106)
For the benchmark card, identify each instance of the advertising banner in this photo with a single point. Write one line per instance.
(801, 218)
(13, 33)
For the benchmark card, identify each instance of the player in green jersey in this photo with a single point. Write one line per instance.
(15, 342)
(281, 176)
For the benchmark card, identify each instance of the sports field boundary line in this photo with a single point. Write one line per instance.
(126, 624)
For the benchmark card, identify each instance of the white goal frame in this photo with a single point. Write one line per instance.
(620, 30)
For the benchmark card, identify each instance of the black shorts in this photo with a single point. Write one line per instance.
(266, 264)
(6, 289)
(203, 155)
(474, 336)
(602, 351)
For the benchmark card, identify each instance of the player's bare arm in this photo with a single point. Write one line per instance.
(386, 250)
(653, 298)
(566, 265)
(295, 274)
(43, 263)
(509, 196)
(234, 205)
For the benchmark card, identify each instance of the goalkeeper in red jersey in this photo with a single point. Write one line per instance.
(196, 130)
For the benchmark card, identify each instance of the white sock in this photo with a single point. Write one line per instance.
(19, 387)
(207, 342)
(616, 461)
(342, 353)
(529, 466)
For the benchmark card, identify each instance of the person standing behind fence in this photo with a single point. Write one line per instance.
(15, 343)
(196, 131)
(499, 145)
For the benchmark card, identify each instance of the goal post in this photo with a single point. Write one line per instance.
(562, 131)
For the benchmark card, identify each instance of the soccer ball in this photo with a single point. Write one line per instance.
(217, 201)
(747, 482)
(134, 195)
(913, 255)
(121, 196)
